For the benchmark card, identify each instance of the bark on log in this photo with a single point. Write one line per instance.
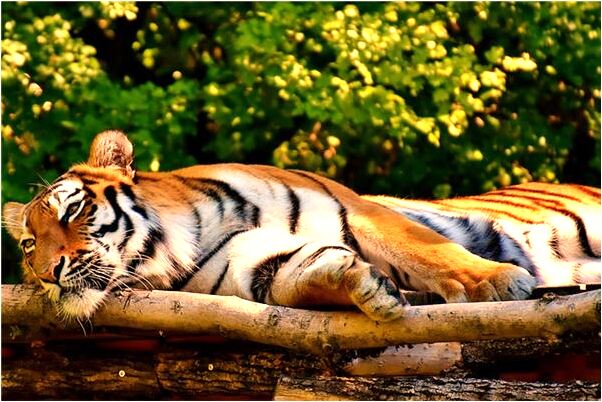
(314, 331)
(433, 388)
(44, 374)
(469, 358)
(114, 370)
(81, 371)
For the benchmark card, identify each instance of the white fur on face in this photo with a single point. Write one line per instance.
(67, 193)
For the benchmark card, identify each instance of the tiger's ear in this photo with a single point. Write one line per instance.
(112, 148)
(12, 218)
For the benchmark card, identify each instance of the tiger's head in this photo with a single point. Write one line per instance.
(65, 233)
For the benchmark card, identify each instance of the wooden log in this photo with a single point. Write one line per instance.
(84, 371)
(241, 372)
(315, 331)
(485, 353)
(421, 358)
(468, 358)
(177, 368)
(432, 388)
(47, 374)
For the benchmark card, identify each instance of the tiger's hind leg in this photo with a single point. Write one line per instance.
(327, 273)
(433, 262)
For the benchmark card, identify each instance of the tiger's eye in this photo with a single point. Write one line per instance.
(27, 245)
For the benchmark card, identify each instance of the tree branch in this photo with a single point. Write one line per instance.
(315, 331)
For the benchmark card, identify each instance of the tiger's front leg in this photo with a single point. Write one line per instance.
(274, 267)
(327, 274)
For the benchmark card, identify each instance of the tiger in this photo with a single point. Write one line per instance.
(292, 238)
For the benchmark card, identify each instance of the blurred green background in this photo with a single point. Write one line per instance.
(409, 99)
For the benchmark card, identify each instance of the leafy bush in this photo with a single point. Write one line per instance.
(407, 98)
(431, 100)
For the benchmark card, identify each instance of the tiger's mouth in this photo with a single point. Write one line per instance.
(81, 303)
(75, 302)
(81, 292)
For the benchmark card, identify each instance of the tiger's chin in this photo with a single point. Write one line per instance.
(80, 304)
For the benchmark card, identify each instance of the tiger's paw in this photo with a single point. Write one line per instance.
(373, 292)
(502, 282)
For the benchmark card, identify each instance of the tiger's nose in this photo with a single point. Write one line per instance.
(53, 273)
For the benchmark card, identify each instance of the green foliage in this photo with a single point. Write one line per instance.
(405, 98)
(56, 97)
(410, 98)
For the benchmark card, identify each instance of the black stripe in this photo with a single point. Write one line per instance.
(75, 268)
(93, 209)
(487, 198)
(65, 218)
(214, 195)
(111, 196)
(451, 205)
(256, 216)
(74, 192)
(127, 190)
(555, 244)
(295, 209)
(583, 240)
(56, 271)
(348, 237)
(104, 245)
(129, 230)
(310, 259)
(591, 191)
(234, 195)
(485, 242)
(508, 192)
(89, 192)
(201, 184)
(88, 181)
(198, 225)
(396, 278)
(218, 283)
(144, 176)
(181, 282)
(264, 273)
(561, 209)
(155, 235)
(428, 222)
